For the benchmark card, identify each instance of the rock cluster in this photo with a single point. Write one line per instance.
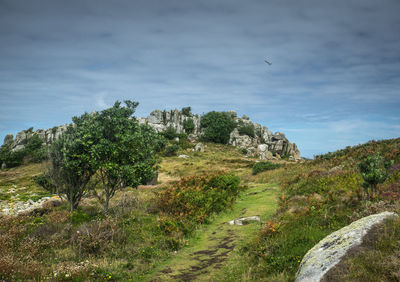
(17, 207)
(48, 136)
(330, 250)
(263, 144)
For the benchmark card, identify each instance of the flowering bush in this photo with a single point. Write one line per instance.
(193, 200)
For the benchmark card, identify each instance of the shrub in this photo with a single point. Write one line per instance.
(170, 133)
(44, 181)
(247, 129)
(193, 200)
(263, 166)
(171, 150)
(217, 126)
(188, 125)
(187, 111)
(373, 171)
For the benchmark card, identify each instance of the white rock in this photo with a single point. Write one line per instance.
(330, 250)
(183, 156)
(243, 220)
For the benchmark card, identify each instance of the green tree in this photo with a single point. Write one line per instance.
(373, 171)
(187, 111)
(123, 152)
(70, 165)
(217, 126)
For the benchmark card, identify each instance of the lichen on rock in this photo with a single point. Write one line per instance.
(330, 250)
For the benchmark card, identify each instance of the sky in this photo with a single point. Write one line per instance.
(334, 80)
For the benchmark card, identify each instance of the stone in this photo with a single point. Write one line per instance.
(275, 143)
(18, 148)
(330, 250)
(8, 140)
(244, 220)
(3, 165)
(199, 147)
(183, 156)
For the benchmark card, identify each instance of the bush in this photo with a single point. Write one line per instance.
(263, 166)
(193, 200)
(170, 133)
(12, 159)
(171, 150)
(373, 171)
(44, 181)
(247, 129)
(218, 126)
(187, 111)
(188, 125)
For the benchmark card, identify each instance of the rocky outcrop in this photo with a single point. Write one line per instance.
(330, 250)
(263, 143)
(48, 136)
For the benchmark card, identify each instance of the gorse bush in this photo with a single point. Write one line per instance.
(263, 166)
(217, 126)
(194, 200)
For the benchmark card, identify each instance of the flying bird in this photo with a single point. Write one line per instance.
(267, 62)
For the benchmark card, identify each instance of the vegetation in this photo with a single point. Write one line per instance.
(171, 150)
(263, 166)
(246, 129)
(373, 171)
(123, 153)
(217, 126)
(170, 133)
(178, 229)
(70, 166)
(188, 125)
(187, 111)
(317, 198)
(33, 151)
(194, 200)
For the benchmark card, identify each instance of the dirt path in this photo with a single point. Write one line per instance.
(212, 246)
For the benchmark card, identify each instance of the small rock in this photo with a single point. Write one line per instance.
(199, 147)
(244, 220)
(183, 156)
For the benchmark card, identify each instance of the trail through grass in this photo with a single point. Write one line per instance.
(213, 247)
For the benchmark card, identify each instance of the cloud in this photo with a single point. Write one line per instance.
(331, 62)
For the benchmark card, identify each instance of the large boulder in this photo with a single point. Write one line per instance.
(330, 250)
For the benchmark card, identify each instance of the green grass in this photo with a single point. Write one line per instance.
(259, 199)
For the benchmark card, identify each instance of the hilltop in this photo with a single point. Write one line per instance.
(252, 138)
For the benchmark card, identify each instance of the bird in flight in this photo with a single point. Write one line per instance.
(267, 62)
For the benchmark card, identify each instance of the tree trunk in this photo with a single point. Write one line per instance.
(106, 203)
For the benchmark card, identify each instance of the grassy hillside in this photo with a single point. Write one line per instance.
(319, 197)
(178, 229)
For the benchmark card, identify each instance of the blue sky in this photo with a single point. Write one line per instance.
(334, 79)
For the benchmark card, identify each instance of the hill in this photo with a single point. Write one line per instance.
(179, 228)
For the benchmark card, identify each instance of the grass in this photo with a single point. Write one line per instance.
(315, 198)
(203, 258)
